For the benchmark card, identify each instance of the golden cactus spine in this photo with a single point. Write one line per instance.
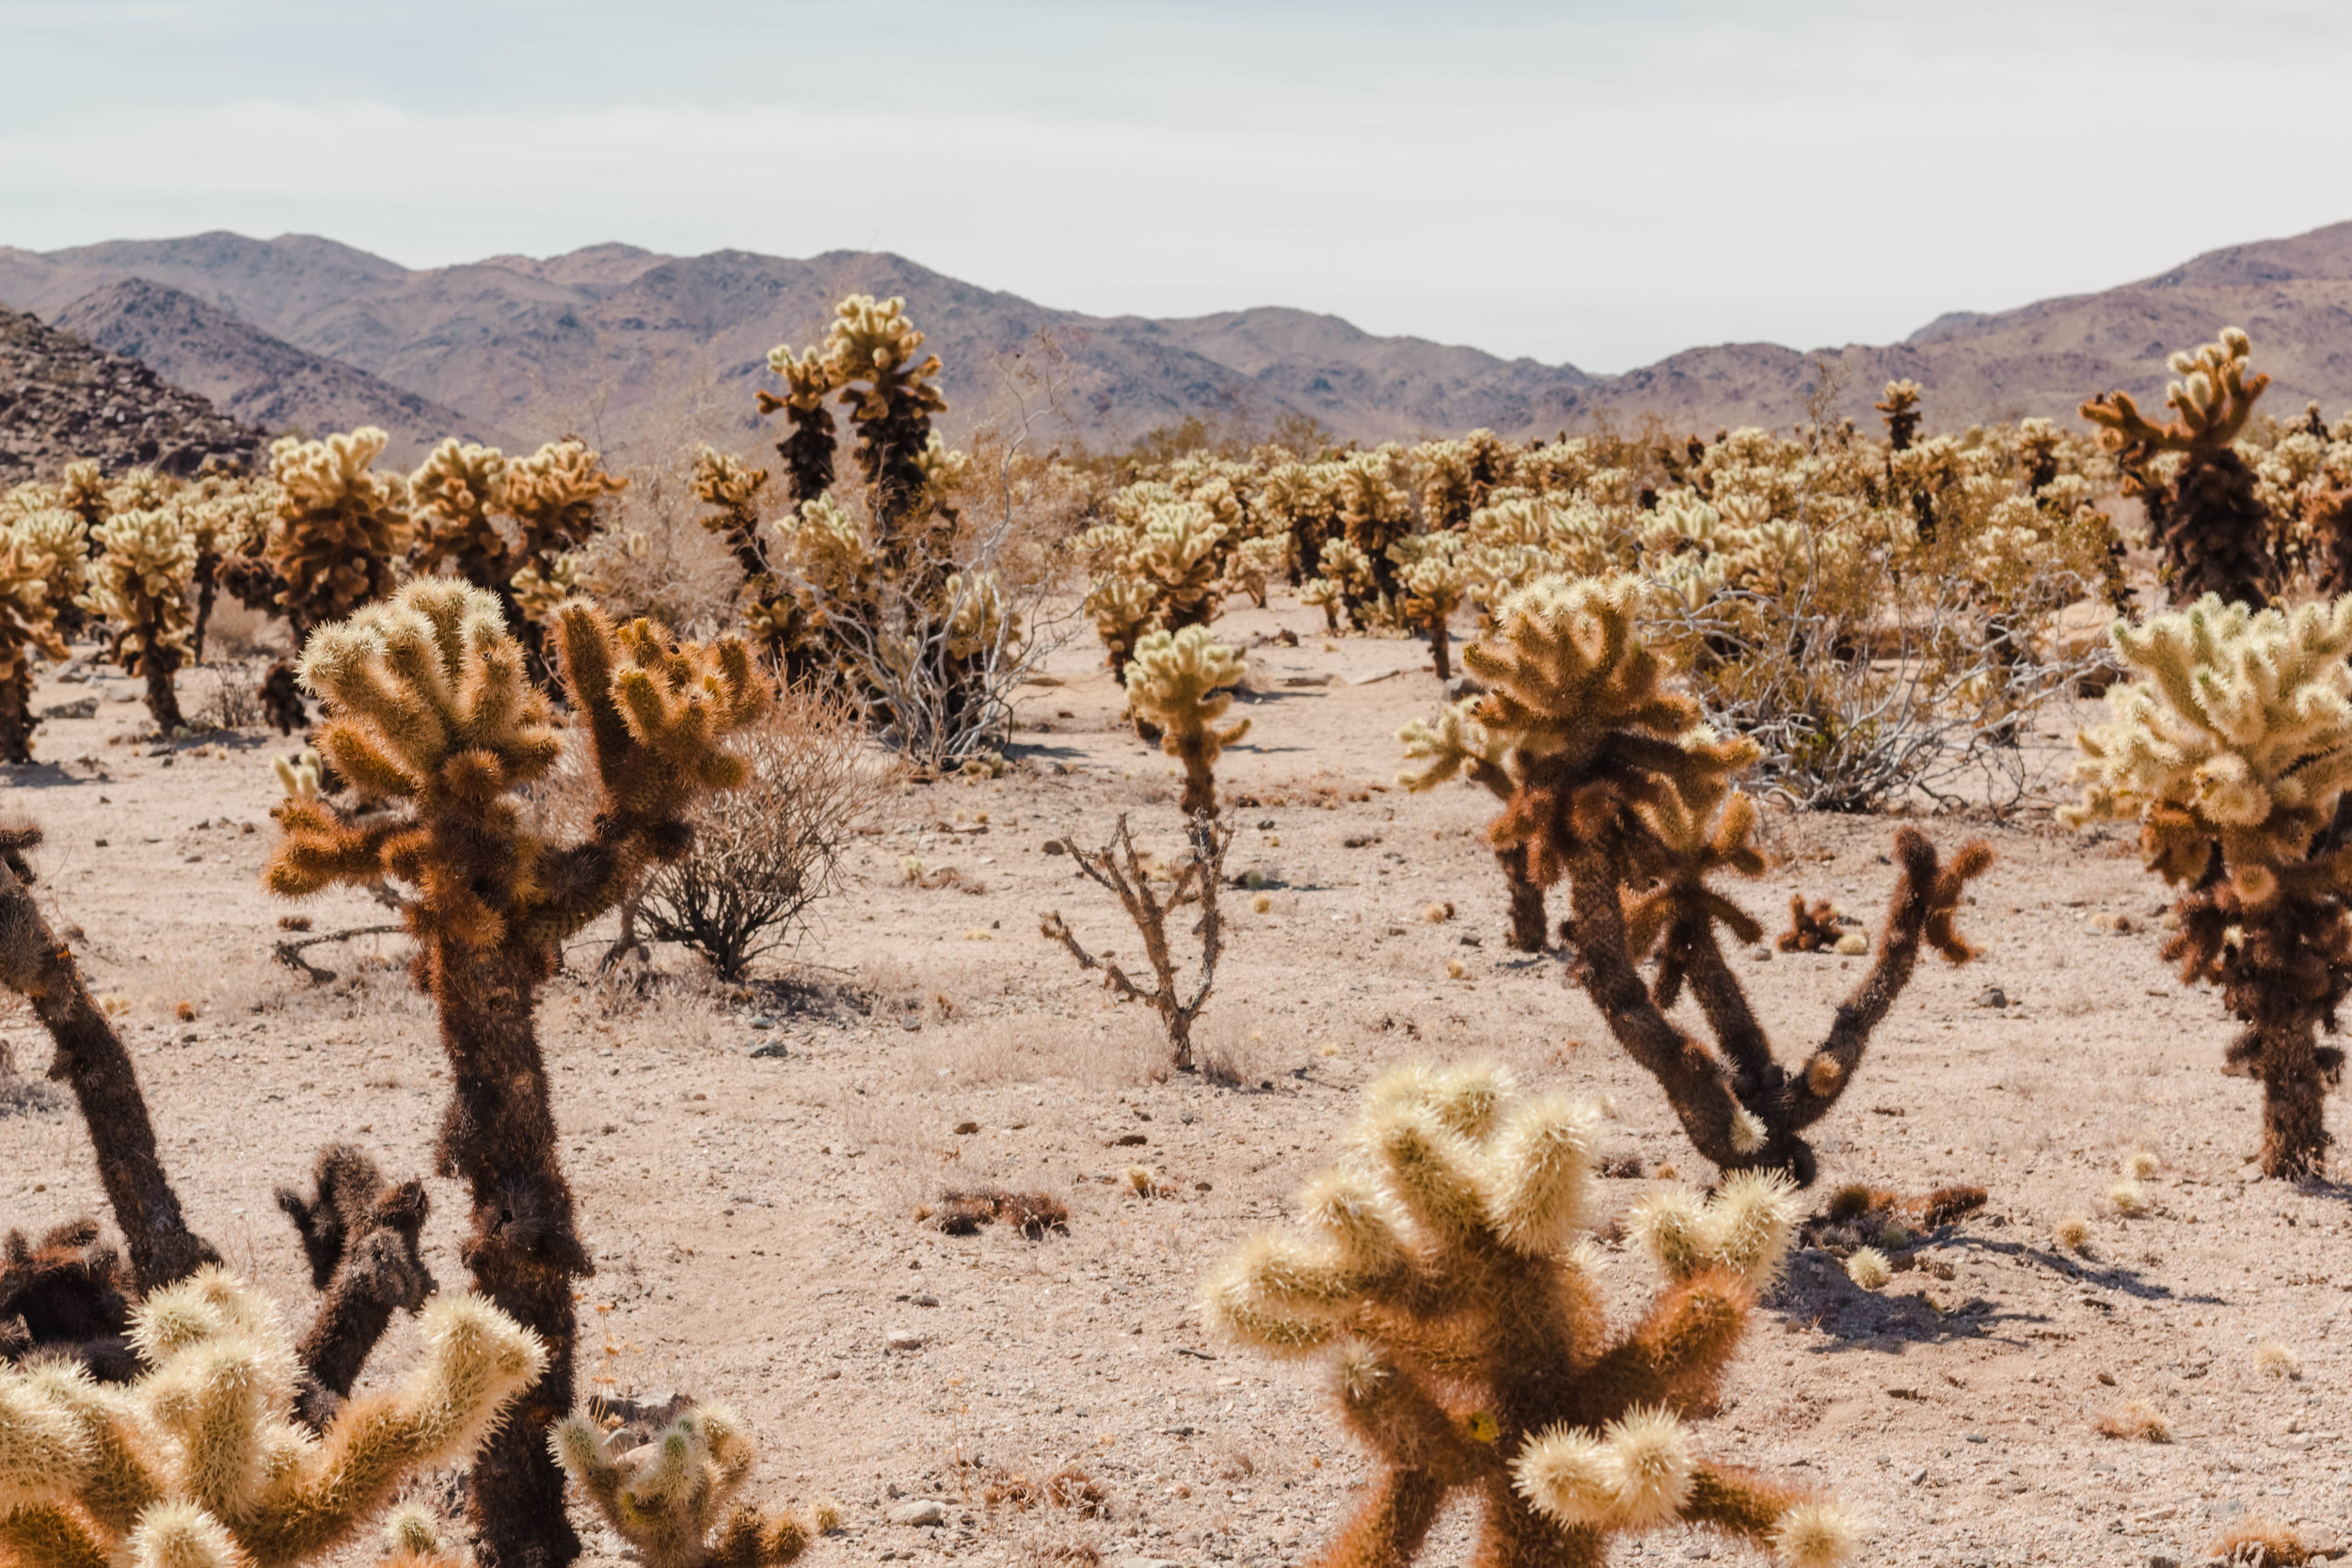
(199, 1463)
(1467, 1345)
(434, 722)
(674, 1498)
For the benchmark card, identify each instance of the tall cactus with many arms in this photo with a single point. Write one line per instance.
(432, 719)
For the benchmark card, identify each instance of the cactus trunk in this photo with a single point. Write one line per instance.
(2294, 1129)
(1529, 923)
(523, 1250)
(16, 716)
(163, 703)
(1441, 647)
(91, 1058)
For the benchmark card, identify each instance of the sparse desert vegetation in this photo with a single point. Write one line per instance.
(925, 954)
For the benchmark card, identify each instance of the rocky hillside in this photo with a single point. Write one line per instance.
(626, 345)
(254, 377)
(61, 398)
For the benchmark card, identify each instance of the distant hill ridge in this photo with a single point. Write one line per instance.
(62, 399)
(627, 345)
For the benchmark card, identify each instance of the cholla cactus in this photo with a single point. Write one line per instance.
(199, 1463)
(1123, 608)
(2207, 520)
(28, 627)
(341, 526)
(1176, 553)
(1596, 729)
(1434, 579)
(673, 1499)
(808, 450)
(1619, 787)
(1900, 402)
(891, 395)
(82, 490)
(453, 493)
(1459, 746)
(2232, 750)
(731, 489)
(141, 584)
(1376, 514)
(436, 726)
(227, 517)
(360, 1234)
(1254, 562)
(1466, 1342)
(1180, 683)
(553, 495)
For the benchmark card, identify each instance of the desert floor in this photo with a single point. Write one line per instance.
(754, 1217)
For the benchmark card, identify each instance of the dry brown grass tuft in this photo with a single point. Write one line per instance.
(2138, 1419)
(2260, 1544)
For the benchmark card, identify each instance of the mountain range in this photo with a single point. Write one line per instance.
(631, 348)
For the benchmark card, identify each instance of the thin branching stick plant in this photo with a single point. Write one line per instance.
(1191, 880)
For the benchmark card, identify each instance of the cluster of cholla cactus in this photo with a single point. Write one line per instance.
(1182, 685)
(1467, 1345)
(341, 527)
(2204, 513)
(435, 726)
(1886, 616)
(1616, 785)
(2231, 747)
(141, 584)
(200, 1461)
(673, 1499)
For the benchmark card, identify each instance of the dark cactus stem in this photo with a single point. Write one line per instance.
(16, 714)
(163, 703)
(2213, 531)
(360, 1234)
(523, 1250)
(207, 585)
(1441, 645)
(1530, 924)
(807, 452)
(90, 1057)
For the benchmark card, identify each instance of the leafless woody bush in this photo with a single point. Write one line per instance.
(1191, 880)
(767, 851)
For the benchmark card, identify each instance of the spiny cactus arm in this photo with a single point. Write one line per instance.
(1694, 1080)
(476, 1361)
(1800, 1530)
(754, 1538)
(412, 1539)
(365, 1231)
(1676, 1354)
(91, 1056)
(50, 1536)
(317, 849)
(1925, 904)
(1398, 1510)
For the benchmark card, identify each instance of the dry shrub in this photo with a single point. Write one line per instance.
(654, 558)
(765, 853)
(2138, 1419)
(2261, 1545)
(962, 1213)
(233, 699)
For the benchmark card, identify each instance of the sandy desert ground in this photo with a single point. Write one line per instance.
(752, 1216)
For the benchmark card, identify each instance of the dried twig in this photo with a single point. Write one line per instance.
(289, 952)
(1118, 868)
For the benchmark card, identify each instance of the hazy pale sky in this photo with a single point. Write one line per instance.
(1602, 185)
